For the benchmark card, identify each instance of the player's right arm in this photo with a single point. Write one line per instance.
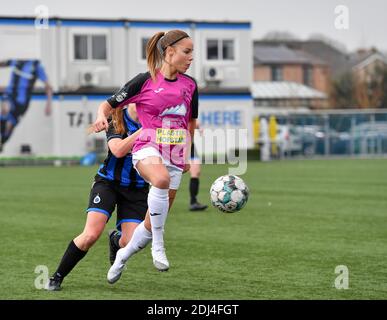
(103, 113)
(127, 94)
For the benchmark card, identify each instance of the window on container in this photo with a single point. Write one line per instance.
(228, 49)
(98, 47)
(212, 49)
(90, 47)
(80, 47)
(144, 42)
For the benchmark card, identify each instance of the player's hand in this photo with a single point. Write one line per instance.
(100, 124)
(187, 167)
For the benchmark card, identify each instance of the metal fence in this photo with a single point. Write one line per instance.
(323, 133)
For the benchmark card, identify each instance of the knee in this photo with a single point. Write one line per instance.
(161, 182)
(195, 171)
(195, 174)
(89, 238)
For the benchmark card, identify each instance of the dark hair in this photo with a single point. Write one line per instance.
(157, 45)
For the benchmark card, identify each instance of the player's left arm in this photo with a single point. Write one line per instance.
(121, 147)
(192, 126)
(193, 123)
(47, 87)
(48, 90)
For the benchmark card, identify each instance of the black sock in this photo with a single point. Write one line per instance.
(194, 189)
(69, 260)
(116, 239)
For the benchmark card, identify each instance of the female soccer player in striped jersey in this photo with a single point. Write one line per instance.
(116, 184)
(167, 106)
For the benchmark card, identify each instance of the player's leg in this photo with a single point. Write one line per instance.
(147, 221)
(142, 235)
(154, 171)
(159, 258)
(195, 169)
(146, 224)
(8, 120)
(120, 238)
(78, 248)
(102, 201)
(16, 112)
(131, 209)
(134, 236)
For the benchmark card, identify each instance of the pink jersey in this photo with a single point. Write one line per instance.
(164, 108)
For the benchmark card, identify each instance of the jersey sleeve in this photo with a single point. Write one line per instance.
(130, 90)
(195, 103)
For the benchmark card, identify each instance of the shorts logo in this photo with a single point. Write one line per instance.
(97, 199)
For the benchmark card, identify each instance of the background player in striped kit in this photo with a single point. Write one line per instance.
(18, 93)
(116, 184)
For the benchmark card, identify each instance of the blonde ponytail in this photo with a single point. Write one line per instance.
(153, 55)
(118, 120)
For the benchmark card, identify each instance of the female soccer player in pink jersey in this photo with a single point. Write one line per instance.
(167, 107)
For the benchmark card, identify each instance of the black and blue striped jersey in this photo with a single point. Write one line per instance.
(23, 77)
(121, 170)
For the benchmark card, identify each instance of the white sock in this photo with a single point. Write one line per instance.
(158, 204)
(140, 238)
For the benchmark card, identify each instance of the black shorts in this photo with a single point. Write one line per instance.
(131, 202)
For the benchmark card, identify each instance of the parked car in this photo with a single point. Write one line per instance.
(314, 140)
(289, 142)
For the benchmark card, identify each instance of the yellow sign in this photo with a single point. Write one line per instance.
(273, 135)
(171, 136)
(273, 128)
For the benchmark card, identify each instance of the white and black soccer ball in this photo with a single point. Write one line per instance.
(229, 193)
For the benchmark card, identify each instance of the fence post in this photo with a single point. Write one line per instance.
(327, 135)
(352, 141)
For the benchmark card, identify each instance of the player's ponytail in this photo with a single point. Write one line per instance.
(154, 56)
(118, 120)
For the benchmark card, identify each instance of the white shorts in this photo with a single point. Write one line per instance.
(175, 173)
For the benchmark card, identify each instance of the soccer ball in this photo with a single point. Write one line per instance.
(229, 193)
